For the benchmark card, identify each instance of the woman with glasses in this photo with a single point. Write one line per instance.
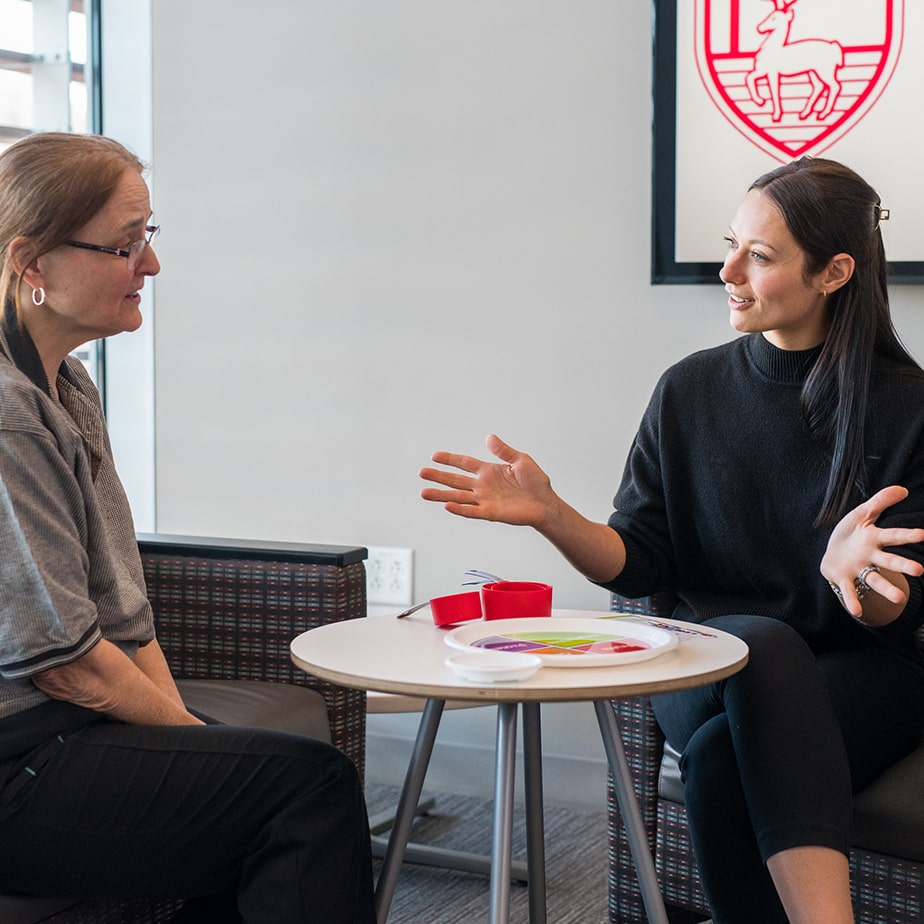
(109, 786)
(776, 486)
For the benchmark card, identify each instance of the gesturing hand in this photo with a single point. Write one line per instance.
(857, 543)
(515, 491)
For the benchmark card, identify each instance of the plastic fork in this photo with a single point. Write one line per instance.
(483, 577)
(413, 609)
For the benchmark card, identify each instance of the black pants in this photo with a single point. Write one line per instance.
(771, 755)
(272, 823)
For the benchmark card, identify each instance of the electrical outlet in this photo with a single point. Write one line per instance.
(390, 575)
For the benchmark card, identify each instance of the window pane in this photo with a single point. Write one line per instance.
(79, 109)
(63, 101)
(16, 17)
(15, 101)
(77, 46)
(60, 99)
(77, 34)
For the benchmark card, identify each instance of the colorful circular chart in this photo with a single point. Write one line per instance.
(566, 642)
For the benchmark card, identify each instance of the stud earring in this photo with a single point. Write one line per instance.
(38, 302)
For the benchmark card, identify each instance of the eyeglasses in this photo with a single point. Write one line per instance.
(133, 252)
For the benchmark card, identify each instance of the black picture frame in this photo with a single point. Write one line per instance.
(665, 269)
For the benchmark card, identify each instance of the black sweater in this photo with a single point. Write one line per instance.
(724, 481)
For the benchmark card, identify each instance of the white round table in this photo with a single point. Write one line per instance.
(407, 656)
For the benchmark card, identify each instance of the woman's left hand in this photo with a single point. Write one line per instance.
(858, 544)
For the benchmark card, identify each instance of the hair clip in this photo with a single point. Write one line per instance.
(881, 214)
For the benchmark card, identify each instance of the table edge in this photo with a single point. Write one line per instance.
(512, 693)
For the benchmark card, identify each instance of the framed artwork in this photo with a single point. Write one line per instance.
(742, 86)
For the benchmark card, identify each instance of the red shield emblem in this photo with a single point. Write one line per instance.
(793, 81)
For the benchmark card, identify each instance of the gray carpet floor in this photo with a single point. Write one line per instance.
(575, 844)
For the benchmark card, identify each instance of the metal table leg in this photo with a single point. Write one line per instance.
(502, 841)
(535, 823)
(631, 814)
(407, 807)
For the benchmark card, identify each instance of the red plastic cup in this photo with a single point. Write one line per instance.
(513, 599)
(454, 608)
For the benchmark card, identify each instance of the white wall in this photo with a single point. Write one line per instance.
(127, 115)
(393, 227)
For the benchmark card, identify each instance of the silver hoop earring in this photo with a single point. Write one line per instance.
(38, 302)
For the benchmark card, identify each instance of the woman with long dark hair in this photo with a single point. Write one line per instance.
(776, 486)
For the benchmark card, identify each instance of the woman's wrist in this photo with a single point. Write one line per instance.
(594, 549)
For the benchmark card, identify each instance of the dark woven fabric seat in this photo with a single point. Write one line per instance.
(226, 611)
(887, 857)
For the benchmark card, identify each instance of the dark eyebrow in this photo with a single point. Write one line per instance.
(758, 242)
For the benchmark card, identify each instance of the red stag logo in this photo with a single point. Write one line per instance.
(793, 96)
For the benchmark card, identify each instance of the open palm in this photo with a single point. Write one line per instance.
(515, 490)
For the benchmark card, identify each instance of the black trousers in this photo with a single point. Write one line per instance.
(265, 827)
(771, 755)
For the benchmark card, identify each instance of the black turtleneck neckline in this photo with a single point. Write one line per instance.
(788, 366)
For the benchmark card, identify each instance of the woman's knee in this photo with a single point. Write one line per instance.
(318, 758)
(281, 767)
(759, 631)
(777, 653)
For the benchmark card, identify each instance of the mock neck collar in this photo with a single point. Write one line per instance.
(21, 348)
(789, 366)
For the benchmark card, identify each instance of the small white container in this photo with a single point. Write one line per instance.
(493, 666)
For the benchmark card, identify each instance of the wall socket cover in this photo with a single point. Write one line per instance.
(390, 575)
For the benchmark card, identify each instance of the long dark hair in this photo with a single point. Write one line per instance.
(830, 210)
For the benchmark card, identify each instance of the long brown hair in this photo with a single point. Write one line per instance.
(51, 184)
(830, 210)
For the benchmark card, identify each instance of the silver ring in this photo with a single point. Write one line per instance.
(860, 585)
